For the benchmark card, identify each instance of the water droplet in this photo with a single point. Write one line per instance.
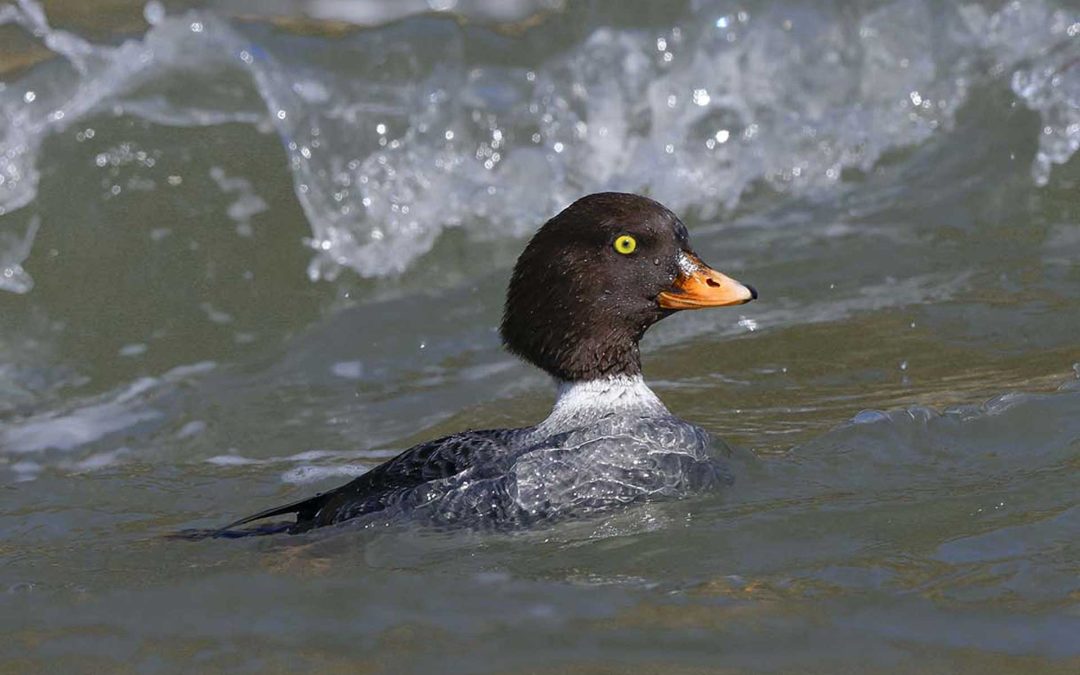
(154, 12)
(748, 323)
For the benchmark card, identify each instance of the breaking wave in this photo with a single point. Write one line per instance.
(395, 133)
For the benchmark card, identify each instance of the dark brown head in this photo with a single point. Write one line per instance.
(596, 276)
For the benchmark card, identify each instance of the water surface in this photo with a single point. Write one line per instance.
(248, 255)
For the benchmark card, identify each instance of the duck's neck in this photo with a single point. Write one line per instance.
(582, 402)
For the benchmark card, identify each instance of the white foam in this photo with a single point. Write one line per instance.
(248, 204)
(81, 425)
(100, 460)
(308, 473)
(92, 420)
(193, 428)
(304, 472)
(134, 349)
(26, 470)
(231, 460)
(695, 113)
(1049, 83)
(14, 249)
(350, 370)
(189, 370)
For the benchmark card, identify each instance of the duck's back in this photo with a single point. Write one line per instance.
(620, 459)
(422, 474)
(511, 478)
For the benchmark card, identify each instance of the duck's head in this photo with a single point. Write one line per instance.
(596, 276)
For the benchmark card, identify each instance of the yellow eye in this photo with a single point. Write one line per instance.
(625, 244)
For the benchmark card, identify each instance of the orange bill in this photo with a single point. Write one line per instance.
(699, 286)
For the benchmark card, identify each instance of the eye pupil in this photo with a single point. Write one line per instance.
(625, 244)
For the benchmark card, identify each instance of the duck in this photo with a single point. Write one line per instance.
(588, 285)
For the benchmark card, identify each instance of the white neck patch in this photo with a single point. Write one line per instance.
(578, 403)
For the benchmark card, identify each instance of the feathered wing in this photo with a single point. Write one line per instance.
(481, 451)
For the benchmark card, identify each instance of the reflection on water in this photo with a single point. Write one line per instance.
(897, 179)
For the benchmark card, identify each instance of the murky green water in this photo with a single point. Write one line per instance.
(253, 258)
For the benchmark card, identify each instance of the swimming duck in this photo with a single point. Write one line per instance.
(589, 284)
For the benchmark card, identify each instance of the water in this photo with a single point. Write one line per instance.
(245, 257)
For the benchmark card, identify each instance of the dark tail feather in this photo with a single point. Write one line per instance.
(305, 510)
(226, 533)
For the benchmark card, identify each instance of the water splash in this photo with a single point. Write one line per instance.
(247, 205)
(395, 134)
(1048, 80)
(89, 421)
(15, 249)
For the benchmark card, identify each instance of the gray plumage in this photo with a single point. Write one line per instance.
(606, 444)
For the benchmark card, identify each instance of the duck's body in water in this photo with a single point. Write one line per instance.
(587, 287)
